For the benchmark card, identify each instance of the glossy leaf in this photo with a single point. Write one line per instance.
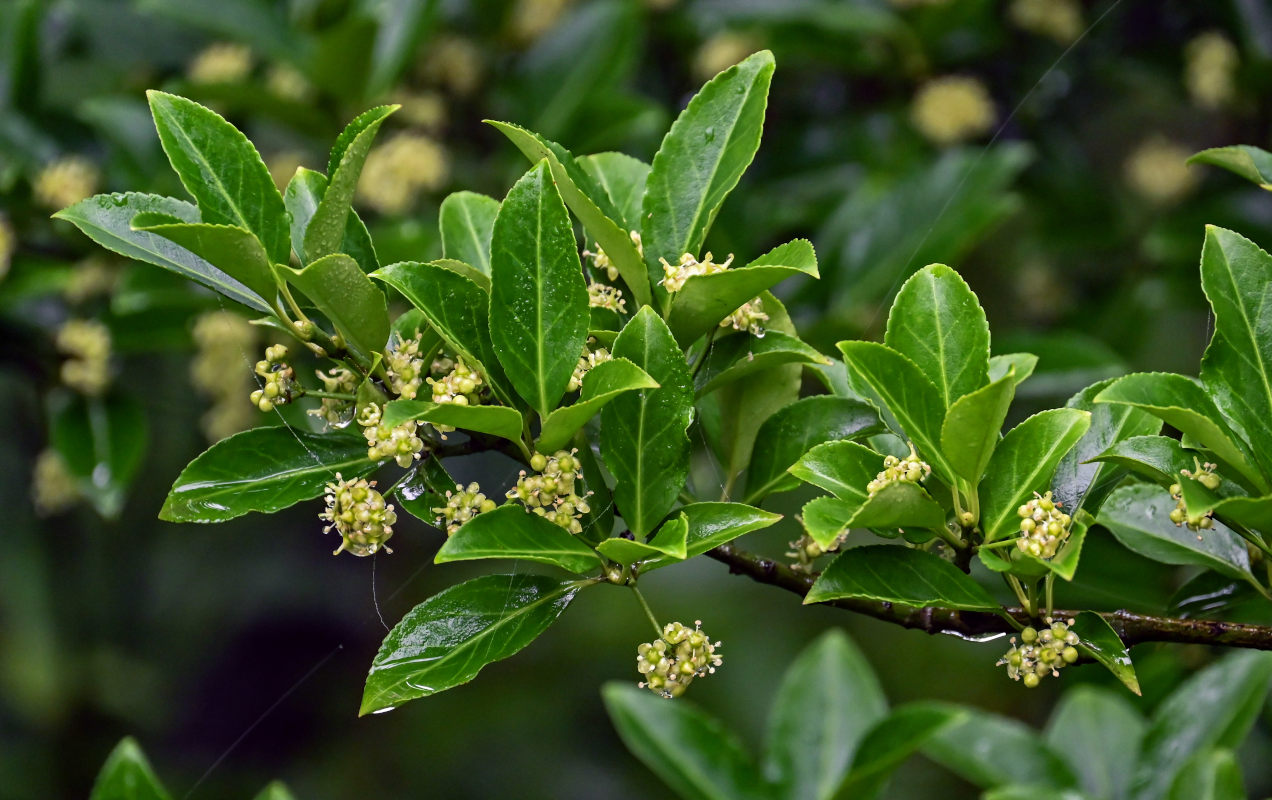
(538, 300)
(668, 541)
(511, 531)
(1098, 733)
(991, 751)
(424, 488)
(741, 356)
(467, 220)
(890, 742)
(973, 427)
(1023, 463)
(589, 204)
(937, 322)
(898, 505)
(603, 383)
(906, 392)
(828, 699)
(222, 170)
(262, 469)
(1158, 458)
(842, 468)
(1252, 163)
(107, 220)
(692, 752)
(276, 790)
(825, 519)
(702, 158)
(303, 194)
(899, 575)
(705, 300)
(127, 775)
(643, 433)
(1139, 517)
(102, 442)
(1254, 513)
(446, 640)
(1080, 483)
(794, 430)
(714, 524)
(327, 226)
(622, 178)
(498, 421)
(1213, 708)
(234, 251)
(1023, 363)
(1101, 642)
(346, 296)
(1209, 775)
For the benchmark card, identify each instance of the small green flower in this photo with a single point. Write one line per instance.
(406, 366)
(674, 276)
(402, 443)
(671, 662)
(461, 506)
(279, 387)
(1040, 653)
(359, 514)
(1206, 476)
(749, 317)
(587, 361)
(1043, 526)
(551, 492)
(910, 469)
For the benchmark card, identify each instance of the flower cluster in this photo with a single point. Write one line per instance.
(222, 62)
(398, 170)
(86, 345)
(279, 388)
(1043, 526)
(1059, 19)
(750, 316)
(359, 514)
(222, 338)
(671, 662)
(53, 487)
(804, 551)
(1040, 653)
(400, 443)
(602, 295)
(674, 276)
(550, 492)
(406, 366)
(1205, 475)
(953, 109)
(600, 261)
(460, 385)
(1210, 69)
(1158, 171)
(587, 361)
(337, 380)
(910, 469)
(65, 182)
(461, 506)
(93, 277)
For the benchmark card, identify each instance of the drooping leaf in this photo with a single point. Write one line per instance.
(643, 433)
(1209, 775)
(692, 752)
(742, 356)
(937, 322)
(973, 427)
(107, 220)
(327, 226)
(222, 170)
(127, 775)
(234, 251)
(603, 383)
(511, 531)
(538, 300)
(794, 430)
(1079, 484)
(303, 194)
(991, 751)
(102, 442)
(1101, 642)
(467, 220)
(702, 158)
(669, 541)
(262, 469)
(714, 524)
(493, 420)
(890, 742)
(1252, 163)
(1023, 463)
(829, 698)
(899, 575)
(1098, 733)
(346, 296)
(622, 178)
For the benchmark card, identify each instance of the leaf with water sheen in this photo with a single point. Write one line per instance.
(1024, 463)
(622, 178)
(669, 541)
(467, 220)
(498, 421)
(538, 300)
(234, 251)
(327, 226)
(992, 751)
(303, 194)
(1023, 363)
(262, 469)
(1101, 642)
(842, 468)
(424, 488)
(511, 531)
(1209, 775)
(1252, 163)
(973, 427)
(714, 524)
(740, 356)
(603, 383)
(127, 775)
(446, 640)
(102, 441)
(899, 575)
(794, 430)
(345, 295)
(825, 519)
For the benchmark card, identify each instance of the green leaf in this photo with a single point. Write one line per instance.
(701, 159)
(842, 468)
(1184, 405)
(276, 790)
(622, 178)
(263, 469)
(1254, 513)
(511, 531)
(1158, 458)
(234, 251)
(326, 230)
(222, 170)
(538, 300)
(1213, 708)
(603, 383)
(424, 488)
(825, 519)
(446, 640)
(304, 193)
(589, 204)
(1098, 733)
(668, 541)
(991, 751)
(794, 430)
(1023, 363)
(467, 220)
(102, 441)
(896, 506)
(692, 752)
(1209, 775)
(107, 220)
(937, 322)
(704, 300)
(345, 295)
(1024, 463)
(906, 393)
(457, 308)
(973, 427)
(643, 434)
(1251, 163)
(1101, 642)
(1032, 791)
(890, 742)
(740, 356)
(127, 775)
(828, 699)
(1081, 483)
(1139, 517)
(714, 524)
(498, 421)
(899, 575)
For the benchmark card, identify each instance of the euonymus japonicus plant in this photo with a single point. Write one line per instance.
(598, 368)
